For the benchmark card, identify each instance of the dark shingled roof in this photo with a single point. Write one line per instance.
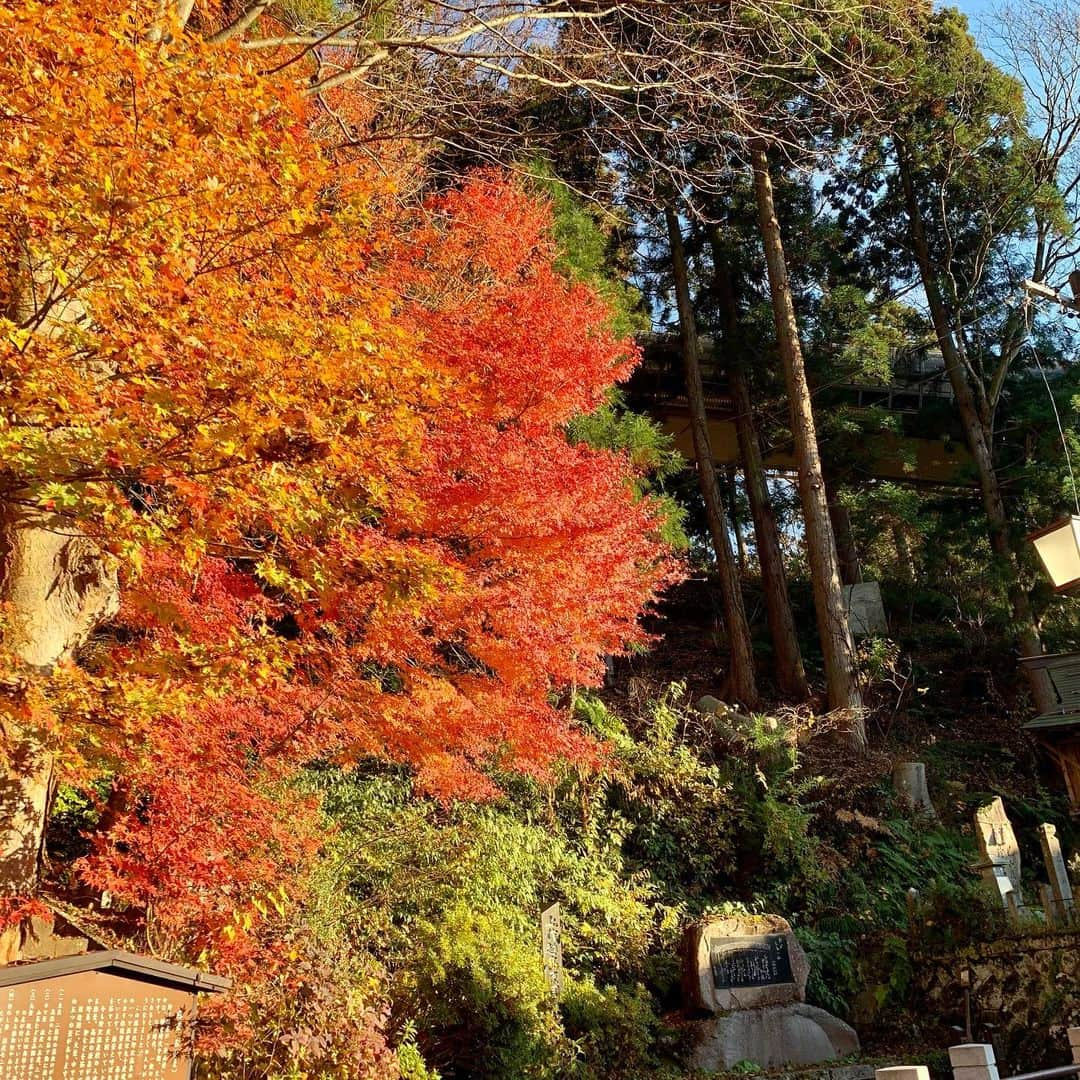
(114, 962)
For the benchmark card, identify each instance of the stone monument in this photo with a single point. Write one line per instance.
(745, 977)
(105, 1015)
(865, 610)
(909, 780)
(1061, 892)
(1000, 852)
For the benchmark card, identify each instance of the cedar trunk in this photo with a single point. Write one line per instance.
(841, 674)
(742, 681)
(790, 674)
(840, 516)
(736, 524)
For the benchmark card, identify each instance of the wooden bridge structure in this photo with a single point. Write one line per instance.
(927, 447)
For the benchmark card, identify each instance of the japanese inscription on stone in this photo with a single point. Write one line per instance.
(1000, 851)
(742, 962)
(551, 943)
(739, 962)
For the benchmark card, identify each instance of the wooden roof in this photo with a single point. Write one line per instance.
(114, 962)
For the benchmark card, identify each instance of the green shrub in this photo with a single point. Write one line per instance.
(616, 1031)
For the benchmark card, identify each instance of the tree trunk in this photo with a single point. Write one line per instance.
(840, 516)
(841, 674)
(977, 435)
(905, 560)
(742, 683)
(790, 674)
(736, 525)
(55, 589)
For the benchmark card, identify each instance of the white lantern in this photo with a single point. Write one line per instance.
(1058, 546)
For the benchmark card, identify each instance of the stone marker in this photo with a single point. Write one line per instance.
(865, 611)
(750, 973)
(973, 1061)
(999, 848)
(551, 944)
(1057, 872)
(1074, 1044)
(743, 962)
(1012, 906)
(998, 880)
(909, 780)
(102, 1015)
(903, 1072)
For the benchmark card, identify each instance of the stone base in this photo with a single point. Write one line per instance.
(777, 1035)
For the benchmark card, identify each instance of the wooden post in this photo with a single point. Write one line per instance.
(1046, 898)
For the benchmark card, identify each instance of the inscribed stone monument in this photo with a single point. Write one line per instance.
(865, 610)
(997, 843)
(749, 972)
(743, 962)
(102, 1016)
(1060, 886)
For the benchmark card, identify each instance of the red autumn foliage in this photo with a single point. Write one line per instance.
(323, 437)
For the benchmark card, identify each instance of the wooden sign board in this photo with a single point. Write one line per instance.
(551, 943)
(101, 1016)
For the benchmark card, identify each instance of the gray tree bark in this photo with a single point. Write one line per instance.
(790, 674)
(742, 683)
(841, 673)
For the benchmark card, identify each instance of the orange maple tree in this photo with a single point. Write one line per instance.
(320, 433)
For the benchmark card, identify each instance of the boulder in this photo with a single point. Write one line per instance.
(774, 1036)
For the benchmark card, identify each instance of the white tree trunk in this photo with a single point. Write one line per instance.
(55, 588)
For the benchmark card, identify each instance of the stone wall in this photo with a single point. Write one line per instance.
(1025, 992)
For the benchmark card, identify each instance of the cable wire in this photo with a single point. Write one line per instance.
(1061, 431)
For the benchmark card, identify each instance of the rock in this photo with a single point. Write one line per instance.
(909, 780)
(709, 705)
(794, 1034)
(742, 962)
(851, 1072)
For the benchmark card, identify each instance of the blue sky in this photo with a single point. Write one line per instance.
(977, 12)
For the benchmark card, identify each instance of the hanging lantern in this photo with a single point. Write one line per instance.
(1058, 546)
